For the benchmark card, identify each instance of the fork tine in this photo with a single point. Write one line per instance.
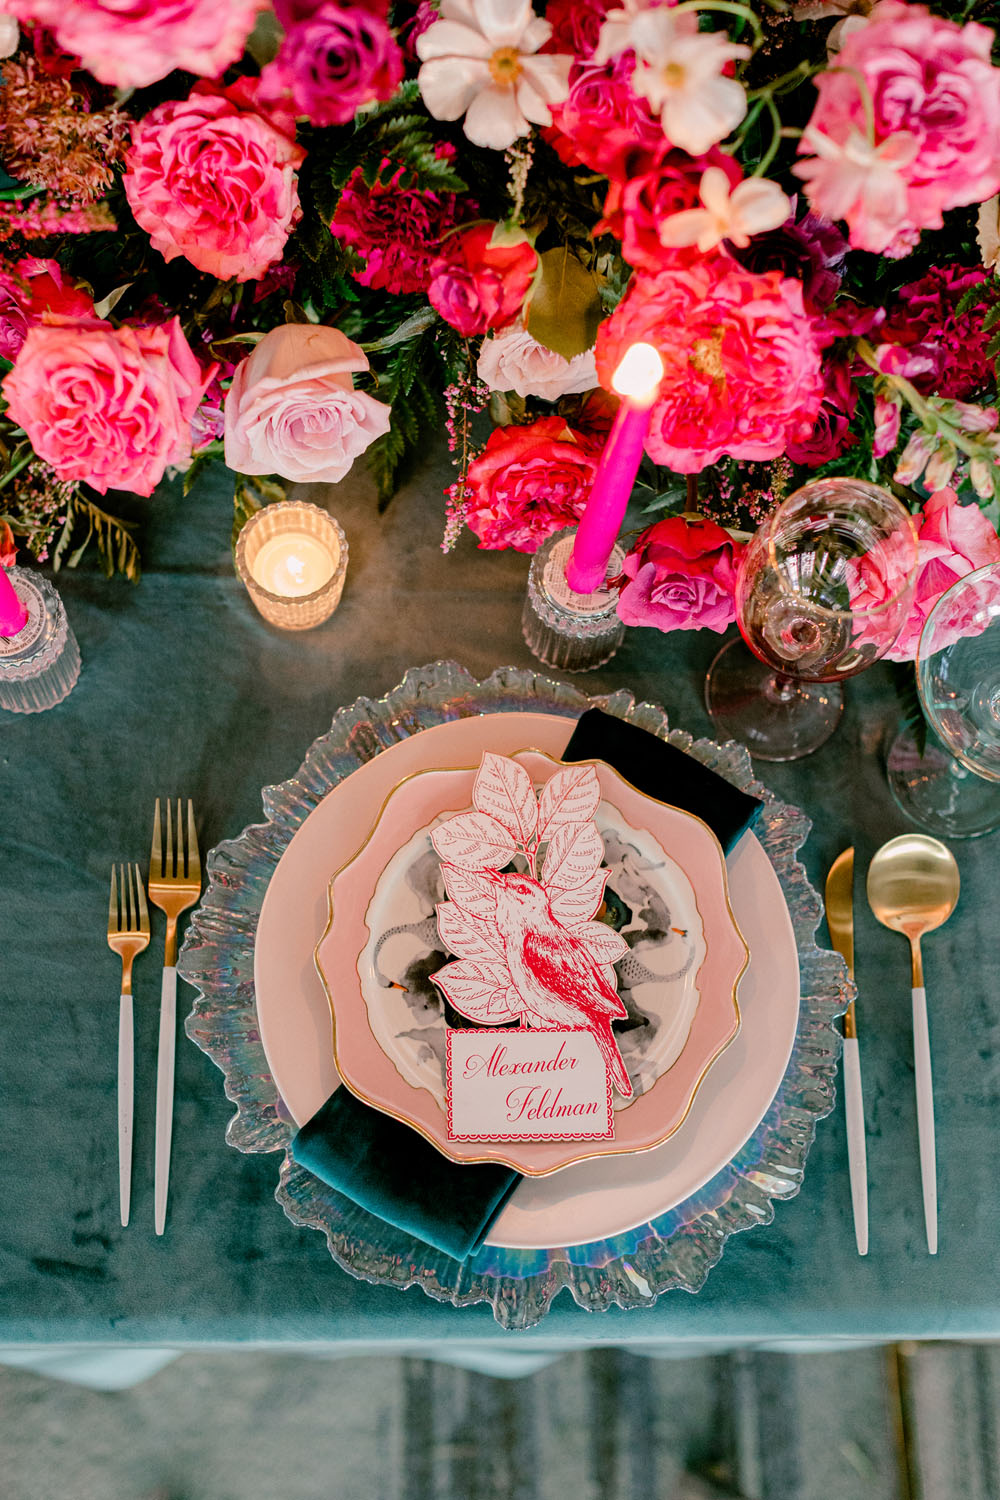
(193, 856)
(143, 908)
(133, 905)
(113, 908)
(169, 870)
(181, 851)
(156, 853)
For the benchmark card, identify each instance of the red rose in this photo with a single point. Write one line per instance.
(831, 435)
(637, 205)
(476, 285)
(527, 483)
(680, 576)
(603, 122)
(34, 292)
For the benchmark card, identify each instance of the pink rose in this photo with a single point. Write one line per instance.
(514, 361)
(35, 292)
(476, 285)
(109, 406)
(334, 61)
(680, 575)
(831, 434)
(741, 357)
(527, 483)
(292, 408)
(214, 182)
(953, 540)
(132, 43)
(603, 123)
(637, 204)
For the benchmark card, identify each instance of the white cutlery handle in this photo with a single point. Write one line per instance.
(125, 1092)
(165, 1092)
(857, 1156)
(925, 1114)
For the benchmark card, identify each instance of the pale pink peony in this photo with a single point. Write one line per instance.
(514, 361)
(132, 43)
(215, 182)
(742, 361)
(932, 88)
(953, 540)
(111, 407)
(292, 408)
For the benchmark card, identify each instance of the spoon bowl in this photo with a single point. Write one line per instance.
(913, 888)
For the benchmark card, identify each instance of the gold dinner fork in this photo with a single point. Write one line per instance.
(174, 885)
(128, 934)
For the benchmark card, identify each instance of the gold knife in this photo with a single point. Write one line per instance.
(839, 897)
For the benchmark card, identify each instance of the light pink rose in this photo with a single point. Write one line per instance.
(213, 180)
(292, 408)
(514, 361)
(111, 407)
(132, 43)
(953, 540)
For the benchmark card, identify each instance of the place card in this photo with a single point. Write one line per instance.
(523, 1085)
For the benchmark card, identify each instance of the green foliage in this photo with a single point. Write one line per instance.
(410, 383)
(116, 547)
(987, 292)
(904, 681)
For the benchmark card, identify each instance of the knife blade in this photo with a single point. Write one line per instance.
(839, 900)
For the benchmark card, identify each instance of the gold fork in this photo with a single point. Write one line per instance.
(128, 934)
(174, 885)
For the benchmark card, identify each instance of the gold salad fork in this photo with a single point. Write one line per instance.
(128, 934)
(174, 885)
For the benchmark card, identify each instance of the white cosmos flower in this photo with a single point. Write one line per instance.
(481, 60)
(752, 206)
(617, 31)
(679, 71)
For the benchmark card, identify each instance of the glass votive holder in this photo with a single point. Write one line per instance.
(561, 627)
(292, 557)
(40, 663)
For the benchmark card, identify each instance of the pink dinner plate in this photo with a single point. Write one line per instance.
(593, 1199)
(391, 1058)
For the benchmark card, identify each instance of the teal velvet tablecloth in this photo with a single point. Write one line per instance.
(186, 691)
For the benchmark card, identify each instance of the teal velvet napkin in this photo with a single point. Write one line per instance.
(386, 1167)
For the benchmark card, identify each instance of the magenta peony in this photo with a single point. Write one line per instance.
(292, 408)
(680, 575)
(742, 361)
(111, 407)
(936, 102)
(397, 230)
(333, 61)
(31, 292)
(527, 483)
(476, 285)
(132, 43)
(215, 182)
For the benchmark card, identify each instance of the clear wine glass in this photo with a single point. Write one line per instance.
(951, 786)
(822, 591)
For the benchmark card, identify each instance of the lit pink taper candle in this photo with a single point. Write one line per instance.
(12, 612)
(637, 381)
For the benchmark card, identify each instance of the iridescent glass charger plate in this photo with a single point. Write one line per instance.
(674, 1249)
(686, 955)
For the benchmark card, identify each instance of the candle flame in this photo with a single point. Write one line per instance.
(639, 374)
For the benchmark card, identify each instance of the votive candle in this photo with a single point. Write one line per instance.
(292, 557)
(637, 381)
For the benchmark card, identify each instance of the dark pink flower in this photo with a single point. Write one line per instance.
(603, 123)
(742, 361)
(527, 483)
(923, 320)
(333, 61)
(810, 250)
(576, 25)
(831, 433)
(637, 204)
(34, 291)
(680, 575)
(397, 230)
(476, 285)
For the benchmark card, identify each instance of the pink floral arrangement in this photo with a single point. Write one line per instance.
(299, 231)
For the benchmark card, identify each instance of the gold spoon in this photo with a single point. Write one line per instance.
(913, 887)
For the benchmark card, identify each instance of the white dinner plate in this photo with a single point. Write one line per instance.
(594, 1199)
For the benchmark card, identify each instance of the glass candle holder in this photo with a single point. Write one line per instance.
(40, 663)
(292, 557)
(562, 628)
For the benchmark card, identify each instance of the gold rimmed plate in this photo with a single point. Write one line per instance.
(669, 890)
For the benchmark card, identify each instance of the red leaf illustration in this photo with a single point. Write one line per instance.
(570, 796)
(575, 851)
(467, 936)
(578, 904)
(480, 991)
(601, 941)
(473, 841)
(470, 889)
(503, 791)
